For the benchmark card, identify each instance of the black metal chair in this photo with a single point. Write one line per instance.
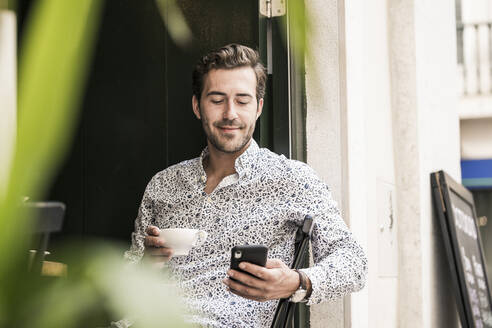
(48, 218)
(285, 310)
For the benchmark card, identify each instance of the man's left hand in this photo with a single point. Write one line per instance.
(275, 280)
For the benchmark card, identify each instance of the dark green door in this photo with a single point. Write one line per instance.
(136, 116)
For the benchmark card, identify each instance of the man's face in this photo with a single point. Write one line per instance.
(228, 108)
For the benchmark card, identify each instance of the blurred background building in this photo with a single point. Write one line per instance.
(474, 31)
(406, 91)
(389, 92)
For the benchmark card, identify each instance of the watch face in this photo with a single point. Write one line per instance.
(298, 295)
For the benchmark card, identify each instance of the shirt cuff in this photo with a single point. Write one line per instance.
(329, 283)
(315, 275)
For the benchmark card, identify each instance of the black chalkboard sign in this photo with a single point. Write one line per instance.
(455, 210)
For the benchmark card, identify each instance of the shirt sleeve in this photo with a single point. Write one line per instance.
(340, 264)
(143, 220)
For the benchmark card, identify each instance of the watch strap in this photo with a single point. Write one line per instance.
(302, 279)
(304, 283)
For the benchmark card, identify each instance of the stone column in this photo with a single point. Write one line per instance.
(422, 37)
(323, 120)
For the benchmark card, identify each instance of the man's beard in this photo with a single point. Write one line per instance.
(224, 147)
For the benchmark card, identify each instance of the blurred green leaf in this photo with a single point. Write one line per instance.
(100, 287)
(175, 22)
(53, 64)
(299, 28)
(8, 4)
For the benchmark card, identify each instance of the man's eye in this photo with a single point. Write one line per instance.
(217, 101)
(242, 102)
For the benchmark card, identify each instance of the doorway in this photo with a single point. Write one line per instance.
(136, 117)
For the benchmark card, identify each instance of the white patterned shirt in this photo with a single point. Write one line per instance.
(264, 202)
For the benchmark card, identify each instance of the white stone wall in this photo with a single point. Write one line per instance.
(370, 165)
(438, 142)
(8, 96)
(323, 130)
(381, 116)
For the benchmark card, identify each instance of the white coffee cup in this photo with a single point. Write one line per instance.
(183, 240)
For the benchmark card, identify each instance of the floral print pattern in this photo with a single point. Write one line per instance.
(264, 202)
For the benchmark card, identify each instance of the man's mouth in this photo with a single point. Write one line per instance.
(228, 128)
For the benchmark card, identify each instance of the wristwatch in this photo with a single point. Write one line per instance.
(301, 294)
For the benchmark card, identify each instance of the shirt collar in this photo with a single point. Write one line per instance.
(244, 163)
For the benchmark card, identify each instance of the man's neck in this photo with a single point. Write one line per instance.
(219, 164)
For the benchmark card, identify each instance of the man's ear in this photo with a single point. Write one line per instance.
(196, 107)
(259, 110)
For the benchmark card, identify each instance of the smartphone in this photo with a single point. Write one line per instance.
(256, 254)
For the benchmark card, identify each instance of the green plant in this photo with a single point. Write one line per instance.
(99, 287)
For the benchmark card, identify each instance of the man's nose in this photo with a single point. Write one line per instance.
(230, 112)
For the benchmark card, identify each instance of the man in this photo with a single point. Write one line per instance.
(242, 194)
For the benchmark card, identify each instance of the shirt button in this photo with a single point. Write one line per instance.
(203, 178)
(209, 199)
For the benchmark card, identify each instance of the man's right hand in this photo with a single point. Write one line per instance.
(155, 252)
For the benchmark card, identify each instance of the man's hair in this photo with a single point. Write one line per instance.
(229, 57)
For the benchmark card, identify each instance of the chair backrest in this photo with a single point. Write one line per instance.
(284, 314)
(48, 218)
